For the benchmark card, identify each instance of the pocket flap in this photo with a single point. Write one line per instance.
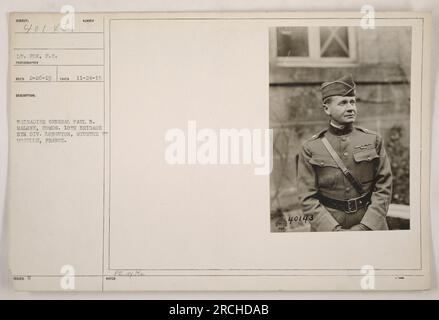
(322, 161)
(366, 155)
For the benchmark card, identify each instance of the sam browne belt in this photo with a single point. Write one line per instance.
(349, 206)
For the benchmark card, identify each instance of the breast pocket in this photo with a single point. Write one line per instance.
(365, 164)
(327, 171)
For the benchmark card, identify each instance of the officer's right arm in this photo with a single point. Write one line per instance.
(322, 220)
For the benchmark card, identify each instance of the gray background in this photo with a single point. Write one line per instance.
(6, 291)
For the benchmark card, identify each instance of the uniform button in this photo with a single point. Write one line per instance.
(348, 189)
(322, 163)
(344, 139)
(368, 158)
(345, 154)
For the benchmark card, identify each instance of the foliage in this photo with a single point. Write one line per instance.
(399, 155)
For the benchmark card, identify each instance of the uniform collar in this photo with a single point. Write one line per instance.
(339, 131)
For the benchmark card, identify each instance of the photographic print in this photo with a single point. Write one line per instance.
(152, 165)
(340, 114)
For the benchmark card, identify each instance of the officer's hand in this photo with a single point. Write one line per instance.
(339, 228)
(359, 227)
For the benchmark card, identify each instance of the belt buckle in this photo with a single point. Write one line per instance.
(350, 206)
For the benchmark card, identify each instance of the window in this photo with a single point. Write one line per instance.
(313, 46)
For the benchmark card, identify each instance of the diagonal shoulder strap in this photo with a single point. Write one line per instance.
(357, 185)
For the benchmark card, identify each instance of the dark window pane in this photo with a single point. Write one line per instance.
(334, 42)
(292, 42)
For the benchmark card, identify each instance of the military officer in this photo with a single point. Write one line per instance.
(344, 176)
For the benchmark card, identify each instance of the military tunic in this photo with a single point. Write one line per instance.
(363, 153)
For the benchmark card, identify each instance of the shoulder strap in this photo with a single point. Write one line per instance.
(317, 135)
(342, 166)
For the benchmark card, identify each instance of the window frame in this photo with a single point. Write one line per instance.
(314, 59)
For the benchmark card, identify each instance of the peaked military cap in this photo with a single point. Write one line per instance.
(344, 86)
